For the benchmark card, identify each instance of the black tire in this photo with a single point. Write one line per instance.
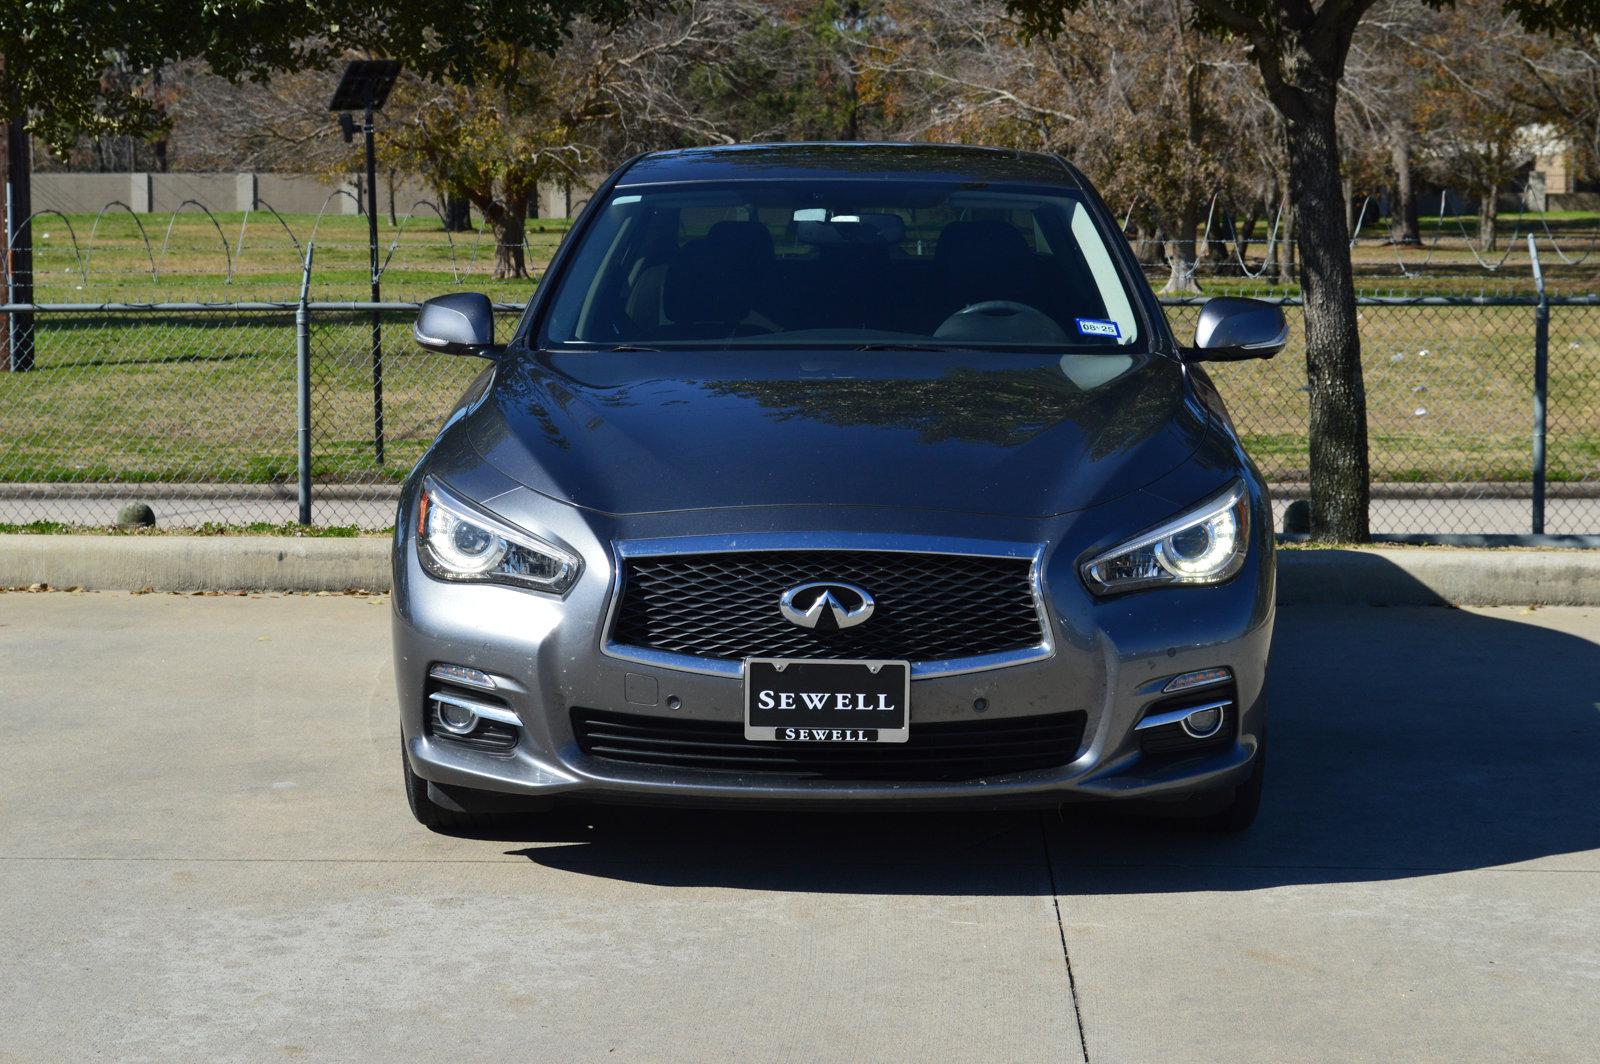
(428, 813)
(435, 817)
(1243, 801)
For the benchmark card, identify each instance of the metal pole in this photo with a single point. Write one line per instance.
(302, 380)
(1541, 383)
(19, 234)
(377, 316)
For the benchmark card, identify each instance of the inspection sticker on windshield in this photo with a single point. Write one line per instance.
(1098, 327)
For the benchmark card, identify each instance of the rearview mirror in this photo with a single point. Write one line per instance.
(1232, 329)
(848, 228)
(461, 323)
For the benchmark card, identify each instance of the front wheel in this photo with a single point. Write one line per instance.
(460, 820)
(1242, 801)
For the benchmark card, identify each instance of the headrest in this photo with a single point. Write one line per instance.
(980, 244)
(704, 285)
(742, 238)
(716, 279)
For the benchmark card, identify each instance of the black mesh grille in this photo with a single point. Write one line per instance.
(930, 607)
(958, 750)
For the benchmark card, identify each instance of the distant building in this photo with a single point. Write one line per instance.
(1553, 182)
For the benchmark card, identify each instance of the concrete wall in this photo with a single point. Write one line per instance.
(87, 193)
(558, 200)
(164, 193)
(1573, 201)
(217, 192)
(285, 193)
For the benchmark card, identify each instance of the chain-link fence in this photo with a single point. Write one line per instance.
(1450, 413)
(193, 409)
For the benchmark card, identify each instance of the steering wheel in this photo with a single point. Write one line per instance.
(1001, 320)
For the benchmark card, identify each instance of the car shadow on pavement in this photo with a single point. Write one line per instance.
(1405, 742)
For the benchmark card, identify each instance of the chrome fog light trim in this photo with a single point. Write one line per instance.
(481, 709)
(1204, 722)
(1182, 718)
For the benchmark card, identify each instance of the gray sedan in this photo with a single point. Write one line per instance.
(825, 474)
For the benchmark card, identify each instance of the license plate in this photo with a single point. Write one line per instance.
(802, 701)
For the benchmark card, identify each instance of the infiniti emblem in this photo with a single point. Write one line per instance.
(840, 605)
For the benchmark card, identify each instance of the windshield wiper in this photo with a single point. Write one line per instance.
(899, 345)
(630, 347)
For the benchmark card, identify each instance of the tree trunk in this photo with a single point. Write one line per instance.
(1216, 249)
(1489, 219)
(1403, 227)
(1339, 473)
(5, 244)
(19, 171)
(1286, 191)
(1349, 188)
(1148, 244)
(1272, 261)
(508, 225)
(457, 214)
(1247, 231)
(1181, 253)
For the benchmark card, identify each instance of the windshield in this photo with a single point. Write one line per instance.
(841, 264)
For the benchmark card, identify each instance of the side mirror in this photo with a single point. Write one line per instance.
(461, 323)
(1232, 329)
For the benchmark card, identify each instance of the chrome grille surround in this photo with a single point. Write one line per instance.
(938, 549)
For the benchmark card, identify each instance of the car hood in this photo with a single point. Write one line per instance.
(982, 432)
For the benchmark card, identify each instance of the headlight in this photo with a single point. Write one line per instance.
(1204, 546)
(457, 542)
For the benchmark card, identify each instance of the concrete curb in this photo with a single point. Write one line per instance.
(1375, 576)
(195, 563)
(1367, 577)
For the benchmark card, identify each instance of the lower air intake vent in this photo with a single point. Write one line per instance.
(964, 750)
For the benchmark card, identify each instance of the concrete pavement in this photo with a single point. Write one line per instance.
(205, 855)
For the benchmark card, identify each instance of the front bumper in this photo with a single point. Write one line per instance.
(1108, 659)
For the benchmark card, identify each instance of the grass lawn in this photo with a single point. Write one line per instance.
(109, 261)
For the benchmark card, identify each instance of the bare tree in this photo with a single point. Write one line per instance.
(1472, 121)
(281, 124)
(1562, 87)
(1382, 100)
(1153, 110)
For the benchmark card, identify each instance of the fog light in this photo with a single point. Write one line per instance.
(455, 718)
(1203, 722)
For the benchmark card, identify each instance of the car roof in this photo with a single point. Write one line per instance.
(849, 159)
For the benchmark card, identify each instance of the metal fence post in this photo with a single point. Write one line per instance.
(377, 293)
(1541, 383)
(302, 334)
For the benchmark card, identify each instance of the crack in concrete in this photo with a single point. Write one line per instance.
(1061, 929)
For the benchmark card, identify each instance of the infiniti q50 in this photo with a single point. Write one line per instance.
(817, 475)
